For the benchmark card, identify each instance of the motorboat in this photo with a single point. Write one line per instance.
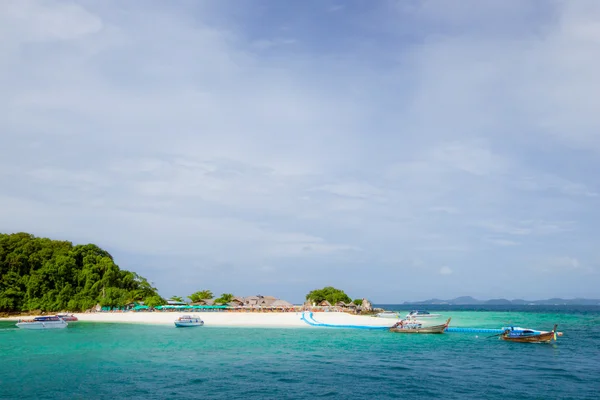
(388, 314)
(52, 322)
(409, 326)
(421, 314)
(517, 334)
(68, 317)
(186, 321)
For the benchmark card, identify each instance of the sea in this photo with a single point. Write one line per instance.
(127, 361)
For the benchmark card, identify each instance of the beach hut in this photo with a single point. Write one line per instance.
(324, 303)
(258, 300)
(267, 301)
(251, 301)
(236, 302)
(204, 302)
(281, 304)
(340, 304)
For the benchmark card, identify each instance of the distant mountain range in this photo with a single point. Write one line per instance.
(468, 300)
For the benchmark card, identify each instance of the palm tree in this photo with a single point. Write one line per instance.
(201, 295)
(225, 298)
(177, 298)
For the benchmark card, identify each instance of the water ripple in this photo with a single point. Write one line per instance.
(105, 361)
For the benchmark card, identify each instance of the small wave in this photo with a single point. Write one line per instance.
(398, 368)
(289, 380)
(328, 394)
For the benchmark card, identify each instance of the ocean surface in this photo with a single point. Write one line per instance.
(117, 361)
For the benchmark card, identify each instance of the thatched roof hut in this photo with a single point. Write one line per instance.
(325, 303)
(340, 304)
(237, 302)
(259, 301)
(281, 304)
(204, 302)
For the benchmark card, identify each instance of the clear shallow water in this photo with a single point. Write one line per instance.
(105, 361)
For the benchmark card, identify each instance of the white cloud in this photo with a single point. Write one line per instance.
(557, 264)
(160, 130)
(445, 270)
(444, 209)
(502, 242)
(34, 21)
(527, 227)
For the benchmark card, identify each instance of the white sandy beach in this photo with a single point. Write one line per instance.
(236, 319)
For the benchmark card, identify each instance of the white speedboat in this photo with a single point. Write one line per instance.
(388, 314)
(43, 323)
(186, 321)
(421, 314)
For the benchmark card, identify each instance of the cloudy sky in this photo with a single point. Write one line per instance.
(399, 150)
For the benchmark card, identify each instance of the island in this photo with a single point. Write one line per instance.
(41, 276)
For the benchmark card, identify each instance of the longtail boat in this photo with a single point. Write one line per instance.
(529, 335)
(405, 326)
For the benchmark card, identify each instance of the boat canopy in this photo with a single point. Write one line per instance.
(42, 319)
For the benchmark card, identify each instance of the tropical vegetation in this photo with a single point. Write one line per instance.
(329, 293)
(224, 299)
(53, 275)
(201, 295)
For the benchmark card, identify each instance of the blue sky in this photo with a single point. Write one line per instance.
(399, 150)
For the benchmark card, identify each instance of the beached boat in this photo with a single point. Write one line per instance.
(388, 314)
(43, 323)
(186, 321)
(407, 326)
(421, 314)
(515, 334)
(68, 317)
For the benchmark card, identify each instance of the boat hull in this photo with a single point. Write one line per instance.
(436, 329)
(417, 315)
(544, 337)
(385, 315)
(42, 325)
(188, 321)
(188, 324)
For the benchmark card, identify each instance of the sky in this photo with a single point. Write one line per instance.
(398, 150)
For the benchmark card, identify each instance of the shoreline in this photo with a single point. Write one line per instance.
(224, 319)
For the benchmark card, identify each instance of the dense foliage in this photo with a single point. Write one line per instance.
(201, 295)
(329, 293)
(51, 275)
(225, 298)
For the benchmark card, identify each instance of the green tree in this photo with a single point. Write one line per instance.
(225, 298)
(176, 298)
(154, 301)
(329, 293)
(52, 275)
(201, 295)
(358, 302)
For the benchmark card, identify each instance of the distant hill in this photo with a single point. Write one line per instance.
(468, 300)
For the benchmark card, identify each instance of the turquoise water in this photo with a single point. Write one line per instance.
(107, 361)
